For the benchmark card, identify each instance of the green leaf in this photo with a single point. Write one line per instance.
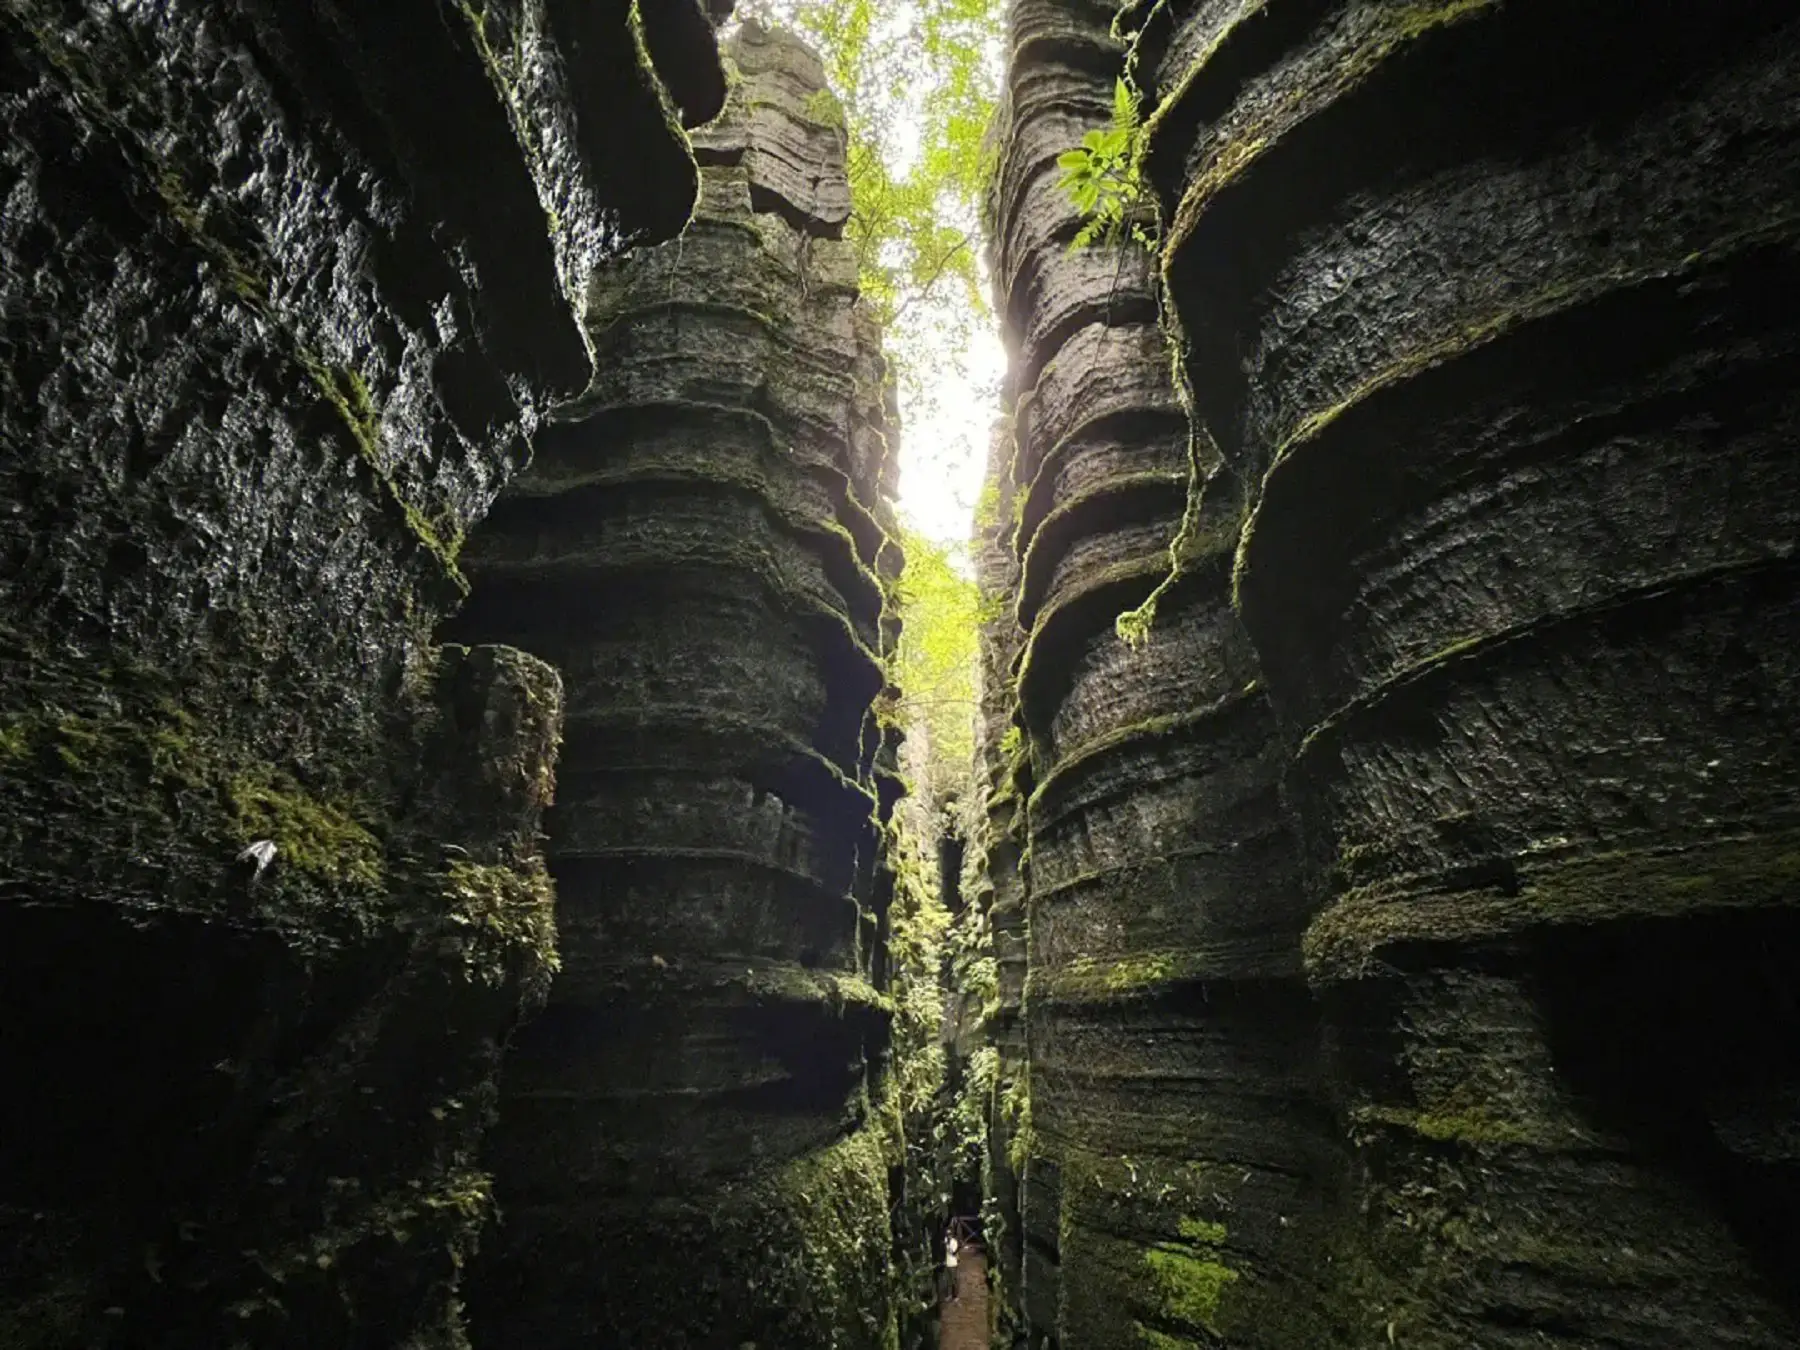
(1124, 105)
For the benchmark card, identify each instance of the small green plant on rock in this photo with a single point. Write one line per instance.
(1102, 177)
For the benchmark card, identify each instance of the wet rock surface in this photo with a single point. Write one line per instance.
(283, 294)
(1517, 565)
(684, 1155)
(1404, 911)
(1176, 1132)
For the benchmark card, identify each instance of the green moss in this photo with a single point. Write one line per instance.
(1190, 545)
(317, 836)
(1138, 971)
(1476, 1126)
(506, 71)
(795, 984)
(452, 1206)
(671, 115)
(1738, 873)
(86, 79)
(506, 917)
(246, 280)
(1556, 296)
(1158, 1340)
(1035, 571)
(348, 394)
(1201, 1230)
(15, 739)
(1148, 571)
(1015, 1117)
(1394, 27)
(160, 745)
(77, 741)
(1168, 726)
(816, 1231)
(1190, 1286)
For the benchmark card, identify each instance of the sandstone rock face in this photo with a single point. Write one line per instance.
(1169, 1036)
(997, 879)
(683, 1154)
(1470, 709)
(282, 291)
(1517, 408)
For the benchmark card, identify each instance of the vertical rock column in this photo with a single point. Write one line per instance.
(283, 292)
(998, 875)
(683, 1155)
(1175, 1137)
(1512, 382)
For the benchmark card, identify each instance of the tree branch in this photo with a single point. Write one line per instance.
(943, 264)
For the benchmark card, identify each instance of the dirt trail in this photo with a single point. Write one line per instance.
(963, 1324)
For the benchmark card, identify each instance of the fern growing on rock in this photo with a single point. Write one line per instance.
(1102, 177)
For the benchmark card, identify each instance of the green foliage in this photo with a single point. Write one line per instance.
(503, 920)
(914, 90)
(918, 923)
(974, 971)
(935, 663)
(1015, 1114)
(966, 1128)
(915, 97)
(909, 1107)
(1103, 179)
(987, 507)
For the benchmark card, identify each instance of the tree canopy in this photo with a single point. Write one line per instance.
(917, 83)
(936, 662)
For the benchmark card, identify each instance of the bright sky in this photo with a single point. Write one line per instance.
(946, 413)
(945, 423)
(943, 448)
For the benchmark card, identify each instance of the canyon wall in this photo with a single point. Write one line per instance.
(284, 291)
(1410, 902)
(1169, 1035)
(689, 1151)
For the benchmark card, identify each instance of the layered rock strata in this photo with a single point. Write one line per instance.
(1176, 1132)
(997, 881)
(684, 1152)
(1467, 704)
(282, 295)
(1509, 381)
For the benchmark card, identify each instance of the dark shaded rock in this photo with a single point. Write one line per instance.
(997, 883)
(282, 295)
(685, 1151)
(1509, 381)
(1176, 1135)
(1467, 703)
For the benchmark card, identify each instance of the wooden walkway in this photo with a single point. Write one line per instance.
(963, 1324)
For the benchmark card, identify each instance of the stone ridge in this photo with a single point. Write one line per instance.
(682, 1155)
(280, 298)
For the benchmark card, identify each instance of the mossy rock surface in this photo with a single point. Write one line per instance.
(281, 302)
